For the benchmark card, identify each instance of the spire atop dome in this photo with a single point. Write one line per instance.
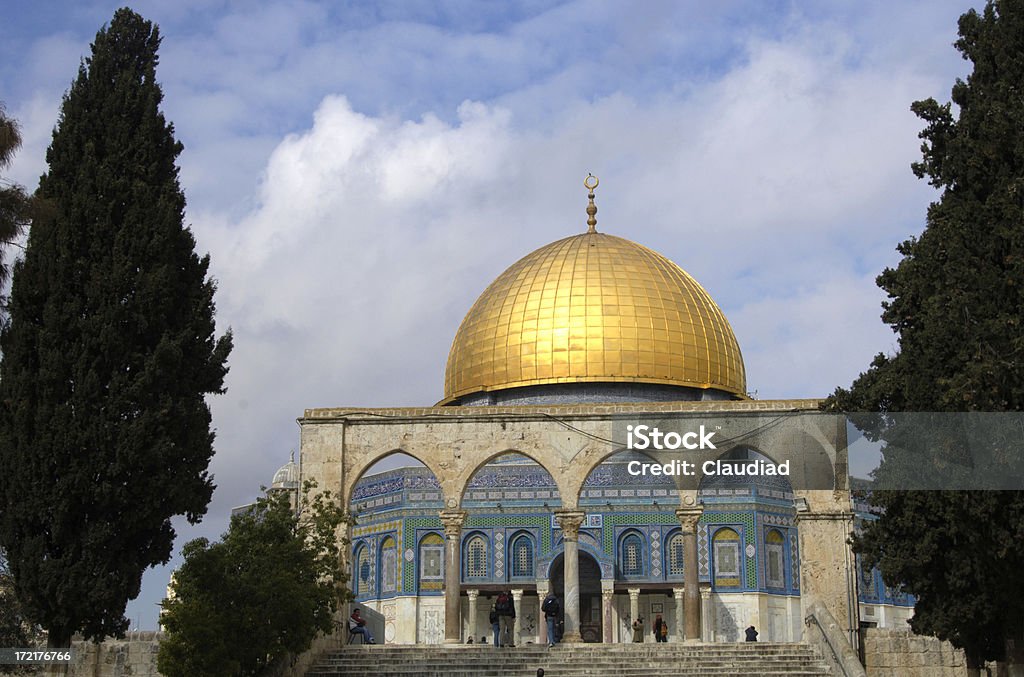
(590, 183)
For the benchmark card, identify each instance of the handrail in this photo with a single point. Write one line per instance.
(840, 655)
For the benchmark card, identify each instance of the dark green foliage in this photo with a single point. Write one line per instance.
(109, 354)
(16, 630)
(266, 589)
(956, 302)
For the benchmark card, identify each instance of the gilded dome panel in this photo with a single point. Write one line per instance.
(593, 308)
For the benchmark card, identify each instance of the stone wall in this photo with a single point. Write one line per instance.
(134, 656)
(901, 653)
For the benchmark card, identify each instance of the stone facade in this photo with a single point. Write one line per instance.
(571, 444)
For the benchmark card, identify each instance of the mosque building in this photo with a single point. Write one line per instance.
(520, 478)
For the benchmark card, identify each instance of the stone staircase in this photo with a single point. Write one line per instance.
(577, 660)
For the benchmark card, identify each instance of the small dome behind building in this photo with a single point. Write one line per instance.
(287, 476)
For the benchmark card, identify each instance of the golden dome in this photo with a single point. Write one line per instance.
(593, 308)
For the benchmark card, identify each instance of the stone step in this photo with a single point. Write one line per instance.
(574, 660)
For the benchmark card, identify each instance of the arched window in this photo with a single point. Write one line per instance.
(726, 549)
(388, 565)
(632, 556)
(775, 560)
(476, 557)
(432, 562)
(363, 574)
(674, 548)
(522, 556)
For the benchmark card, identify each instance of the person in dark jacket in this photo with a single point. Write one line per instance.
(551, 609)
(751, 633)
(495, 626)
(506, 608)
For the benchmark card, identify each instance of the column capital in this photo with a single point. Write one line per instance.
(542, 588)
(472, 594)
(634, 593)
(517, 594)
(608, 586)
(678, 592)
(452, 521)
(570, 522)
(688, 518)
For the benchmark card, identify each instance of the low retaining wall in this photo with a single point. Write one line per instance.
(133, 656)
(901, 653)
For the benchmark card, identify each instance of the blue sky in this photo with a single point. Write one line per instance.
(360, 171)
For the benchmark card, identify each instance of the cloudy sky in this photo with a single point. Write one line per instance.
(360, 171)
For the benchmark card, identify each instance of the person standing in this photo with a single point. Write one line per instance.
(660, 629)
(551, 609)
(751, 633)
(495, 624)
(638, 630)
(506, 608)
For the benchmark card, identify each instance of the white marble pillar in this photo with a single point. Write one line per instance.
(708, 613)
(607, 602)
(677, 593)
(472, 595)
(688, 518)
(452, 521)
(634, 603)
(570, 521)
(542, 592)
(517, 629)
(634, 608)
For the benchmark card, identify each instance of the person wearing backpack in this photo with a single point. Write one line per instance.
(550, 607)
(506, 609)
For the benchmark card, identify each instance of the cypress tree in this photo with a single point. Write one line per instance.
(956, 302)
(109, 353)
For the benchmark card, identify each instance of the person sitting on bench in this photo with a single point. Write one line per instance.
(357, 626)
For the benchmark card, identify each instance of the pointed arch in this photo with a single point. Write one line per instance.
(476, 556)
(430, 575)
(521, 553)
(632, 554)
(727, 558)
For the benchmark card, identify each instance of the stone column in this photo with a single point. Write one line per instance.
(689, 517)
(452, 521)
(607, 602)
(677, 593)
(472, 594)
(542, 592)
(634, 603)
(570, 521)
(517, 629)
(707, 613)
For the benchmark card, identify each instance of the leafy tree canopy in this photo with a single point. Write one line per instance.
(956, 300)
(271, 583)
(109, 354)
